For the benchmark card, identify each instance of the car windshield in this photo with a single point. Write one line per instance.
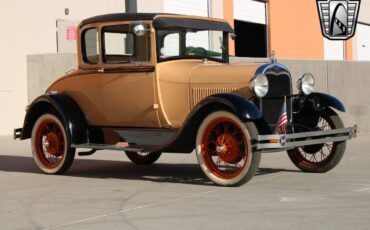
(192, 44)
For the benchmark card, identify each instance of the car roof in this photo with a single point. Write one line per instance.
(164, 20)
(121, 17)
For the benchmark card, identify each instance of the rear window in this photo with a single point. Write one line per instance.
(90, 46)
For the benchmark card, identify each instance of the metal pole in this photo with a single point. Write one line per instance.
(131, 6)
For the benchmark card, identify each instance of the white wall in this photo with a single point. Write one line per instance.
(333, 50)
(188, 7)
(29, 27)
(364, 15)
(147, 6)
(362, 43)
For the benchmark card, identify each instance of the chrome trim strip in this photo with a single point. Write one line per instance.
(301, 143)
(305, 134)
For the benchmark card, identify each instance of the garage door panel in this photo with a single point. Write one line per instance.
(333, 50)
(187, 7)
(363, 42)
(250, 11)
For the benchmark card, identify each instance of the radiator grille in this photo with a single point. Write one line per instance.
(279, 88)
(201, 93)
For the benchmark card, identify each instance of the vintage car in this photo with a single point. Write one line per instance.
(152, 83)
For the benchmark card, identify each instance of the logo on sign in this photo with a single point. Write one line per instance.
(338, 18)
(71, 33)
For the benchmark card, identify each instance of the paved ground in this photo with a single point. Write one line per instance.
(105, 191)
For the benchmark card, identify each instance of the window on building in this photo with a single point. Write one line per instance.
(90, 46)
(250, 40)
(250, 28)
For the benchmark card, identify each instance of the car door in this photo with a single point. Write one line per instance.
(84, 85)
(128, 95)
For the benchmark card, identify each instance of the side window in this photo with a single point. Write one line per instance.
(90, 46)
(171, 46)
(121, 45)
(118, 44)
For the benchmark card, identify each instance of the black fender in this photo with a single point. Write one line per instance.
(318, 101)
(307, 109)
(62, 106)
(184, 140)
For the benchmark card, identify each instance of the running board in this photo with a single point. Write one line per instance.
(107, 147)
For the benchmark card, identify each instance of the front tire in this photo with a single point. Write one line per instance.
(224, 149)
(323, 157)
(51, 146)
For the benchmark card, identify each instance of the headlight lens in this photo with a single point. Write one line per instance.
(306, 84)
(260, 85)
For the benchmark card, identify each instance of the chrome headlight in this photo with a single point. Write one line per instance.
(260, 85)
(306, 84)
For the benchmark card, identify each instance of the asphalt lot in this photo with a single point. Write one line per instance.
(106, 191)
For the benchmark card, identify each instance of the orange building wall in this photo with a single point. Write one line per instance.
(348, 50)
(294, 29)
(228, 6)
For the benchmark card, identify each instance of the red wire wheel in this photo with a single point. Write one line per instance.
(50, 146)
(224, 149)
(316, 155)
(50, 143)
(321, 157)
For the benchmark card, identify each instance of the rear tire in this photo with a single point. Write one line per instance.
(324, 157)
(224, 149)
(143, 158)
(51, 145)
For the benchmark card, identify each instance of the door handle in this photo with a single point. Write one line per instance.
(101, 70)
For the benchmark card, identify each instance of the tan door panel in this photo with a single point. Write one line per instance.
(128, 99)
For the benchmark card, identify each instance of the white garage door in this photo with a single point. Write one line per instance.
(188, 7)
(333, 50)
(363, 42)
(250, 11)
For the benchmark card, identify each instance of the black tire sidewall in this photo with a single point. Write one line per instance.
(140, 160)
(335, 156)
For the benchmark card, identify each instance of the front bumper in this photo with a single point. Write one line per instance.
(289, 141)
(17, 133)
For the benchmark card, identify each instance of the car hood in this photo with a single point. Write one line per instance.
(200, 72)
(215, 73)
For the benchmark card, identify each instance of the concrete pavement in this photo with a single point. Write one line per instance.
(106, 191)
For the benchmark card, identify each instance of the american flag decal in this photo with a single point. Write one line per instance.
(282, 123)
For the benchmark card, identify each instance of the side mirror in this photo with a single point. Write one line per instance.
(139, 30)
(233, 36)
